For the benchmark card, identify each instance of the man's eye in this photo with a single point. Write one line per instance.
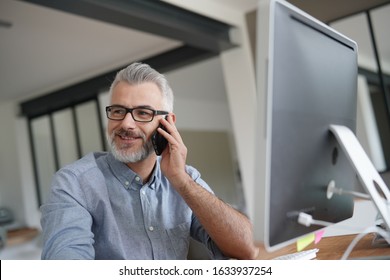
(118, 111)
(144, 112)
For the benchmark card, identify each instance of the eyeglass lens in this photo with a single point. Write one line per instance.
(138, 114)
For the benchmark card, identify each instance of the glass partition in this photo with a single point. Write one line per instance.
(88, 127)
(45, 164)
(65, 136)
(61, 137)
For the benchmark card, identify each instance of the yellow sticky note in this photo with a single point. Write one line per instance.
(305, 241)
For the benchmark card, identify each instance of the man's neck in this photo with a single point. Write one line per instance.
(144, 168)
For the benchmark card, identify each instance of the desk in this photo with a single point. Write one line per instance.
(22, 244)
(332, 248)
(18, 236)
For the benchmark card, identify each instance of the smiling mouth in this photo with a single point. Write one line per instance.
(128, 139)
(128, 136)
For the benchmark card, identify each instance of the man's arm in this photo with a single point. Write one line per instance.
(66, 225)
(229, 229)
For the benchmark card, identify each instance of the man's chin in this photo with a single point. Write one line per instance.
(131, 157)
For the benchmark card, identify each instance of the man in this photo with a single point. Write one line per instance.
(131, 203)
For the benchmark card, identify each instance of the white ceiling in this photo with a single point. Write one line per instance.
(44, 49)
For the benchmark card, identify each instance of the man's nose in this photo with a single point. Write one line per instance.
(129, 121)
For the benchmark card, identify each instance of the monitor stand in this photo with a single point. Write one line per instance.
(368, 175)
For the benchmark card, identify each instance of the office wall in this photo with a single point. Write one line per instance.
(10, 183)
(240, 83)
(211, 153)
(203, 118)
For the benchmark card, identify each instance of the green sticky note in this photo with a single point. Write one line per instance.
(305, 241)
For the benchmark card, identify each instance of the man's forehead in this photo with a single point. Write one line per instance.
(144, 94)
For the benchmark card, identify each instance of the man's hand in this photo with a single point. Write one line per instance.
(174, 157)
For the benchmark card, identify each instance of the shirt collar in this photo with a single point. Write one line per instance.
(128, 177)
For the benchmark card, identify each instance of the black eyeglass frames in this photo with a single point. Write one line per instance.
(139, 114)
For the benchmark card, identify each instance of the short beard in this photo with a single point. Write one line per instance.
(122, 153)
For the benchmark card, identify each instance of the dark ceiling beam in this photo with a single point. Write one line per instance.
(89, 89)
(151, 16)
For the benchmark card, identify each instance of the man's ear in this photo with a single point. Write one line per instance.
(173, 116)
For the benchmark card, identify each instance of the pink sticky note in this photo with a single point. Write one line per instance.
(319, 235)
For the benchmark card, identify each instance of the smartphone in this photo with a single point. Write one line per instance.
(159, 141)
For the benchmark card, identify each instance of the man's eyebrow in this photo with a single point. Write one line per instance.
(136, 107)
(145, 107)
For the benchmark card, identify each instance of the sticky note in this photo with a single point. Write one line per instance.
(305, 241)
(319, 235)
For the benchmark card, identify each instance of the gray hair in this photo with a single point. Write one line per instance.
(138, 73)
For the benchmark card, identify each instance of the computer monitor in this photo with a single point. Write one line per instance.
(311, 148)
(312, 84)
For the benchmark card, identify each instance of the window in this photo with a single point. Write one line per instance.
(60, 137)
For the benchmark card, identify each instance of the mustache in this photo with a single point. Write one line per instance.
(128, 133)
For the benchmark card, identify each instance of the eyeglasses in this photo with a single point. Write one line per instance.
(140, 114)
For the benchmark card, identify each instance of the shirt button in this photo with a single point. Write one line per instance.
(127, 183)
(137, 179)
(143, 192)
(151, 228)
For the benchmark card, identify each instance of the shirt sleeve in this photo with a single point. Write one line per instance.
(66, 223)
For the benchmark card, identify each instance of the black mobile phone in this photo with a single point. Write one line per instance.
(159, 141)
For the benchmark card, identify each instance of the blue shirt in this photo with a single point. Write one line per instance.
(98, 208)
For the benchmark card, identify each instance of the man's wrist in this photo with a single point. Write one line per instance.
(183, 183)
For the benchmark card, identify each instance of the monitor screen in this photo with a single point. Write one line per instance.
(312, 84)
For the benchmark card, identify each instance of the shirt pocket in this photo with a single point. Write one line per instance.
(179, 239)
